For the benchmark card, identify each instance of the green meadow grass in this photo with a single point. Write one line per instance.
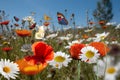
(65, 73)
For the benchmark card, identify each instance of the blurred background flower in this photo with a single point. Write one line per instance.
(107, 69)
(26, 48)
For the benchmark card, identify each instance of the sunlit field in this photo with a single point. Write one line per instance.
(31, 50)
(16, 45)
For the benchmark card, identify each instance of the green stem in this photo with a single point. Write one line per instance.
(24, 40)
(62, 29)
(1, 77)
(2, 30)
(97, 71)
(7, 54)
(79, 67)
(31, 77)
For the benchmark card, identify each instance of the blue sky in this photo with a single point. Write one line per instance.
(22, 8)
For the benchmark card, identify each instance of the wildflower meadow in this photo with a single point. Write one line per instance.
(33, 51)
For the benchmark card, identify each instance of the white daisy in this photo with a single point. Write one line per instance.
(111, 23)
(67, 28)
(89, 54)
(88, 30)
(73, 42)
(60, 59)
(76, 36)
(8, 69)
(90, 39)
(106, 42)
(69, 35)
(106, 69)
(52, 35)
(117, 27)
(114, 42)
(101, 36)
(49, 75)
(29, 19)
(64, 38)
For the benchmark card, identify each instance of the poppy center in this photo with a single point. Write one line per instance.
(111, 70)
(6, 69)
(89, 54)
(59, 59)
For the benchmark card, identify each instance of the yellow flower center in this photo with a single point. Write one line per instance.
(89, 54)
(102, 37)
(59, 59)
(5, 43)
(57, 65)
(31, 68)
(6, 69)
(111, 70)
(38, 34)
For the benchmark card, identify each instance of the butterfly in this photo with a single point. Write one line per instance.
(16, 18)
(46, 18)
(61, 19)
(32, 26)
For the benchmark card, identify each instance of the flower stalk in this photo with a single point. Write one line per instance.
(79, 69)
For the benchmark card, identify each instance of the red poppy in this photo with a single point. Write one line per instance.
(104, 27)
(5, 22)
(6, 49)
(75, 50)
(46, 23)
(91, 23)
(101, 47)
(34, 64)
(42, 52)
(85, 36)
(102, 22)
